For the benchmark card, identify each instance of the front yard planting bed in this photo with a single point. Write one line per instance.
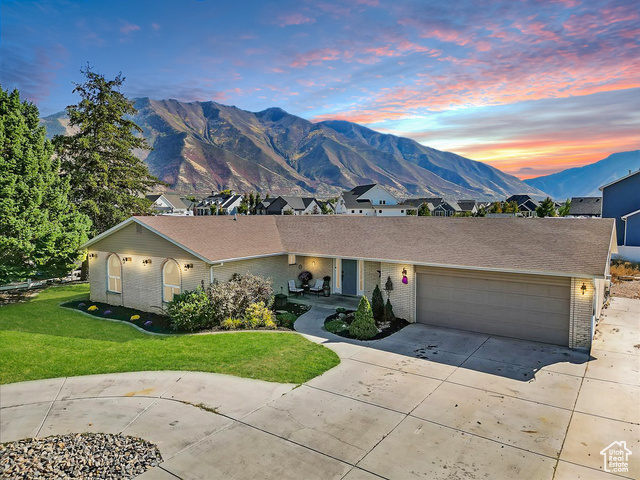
(150, 322)
(338, 324)
(40, 339)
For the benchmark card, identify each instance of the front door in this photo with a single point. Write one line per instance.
(349, 277)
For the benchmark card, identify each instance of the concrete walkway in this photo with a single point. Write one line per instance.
(426, 402)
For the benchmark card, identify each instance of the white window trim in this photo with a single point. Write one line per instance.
(109, 276)
(165, 285)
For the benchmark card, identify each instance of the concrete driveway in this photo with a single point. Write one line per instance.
(426, 402)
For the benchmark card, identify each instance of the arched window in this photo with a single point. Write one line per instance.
(114, 274)
(170, 280)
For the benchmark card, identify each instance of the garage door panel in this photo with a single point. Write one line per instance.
(520, 306)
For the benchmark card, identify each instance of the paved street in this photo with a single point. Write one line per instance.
(426, 402)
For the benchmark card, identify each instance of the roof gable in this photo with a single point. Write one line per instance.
(631, 174)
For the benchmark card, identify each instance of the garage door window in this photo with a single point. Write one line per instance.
(114, 274)
(170, 280)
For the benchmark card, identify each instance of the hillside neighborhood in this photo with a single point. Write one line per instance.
(236, 242)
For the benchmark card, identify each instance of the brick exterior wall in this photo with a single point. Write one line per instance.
(403, 297)
(581, 311)
(141, 284)
(371, 278)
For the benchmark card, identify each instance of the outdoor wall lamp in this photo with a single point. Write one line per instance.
(92, 255)
(188, 266)
(146, 262)
(583, 288)
(126, 259)
(405, 279)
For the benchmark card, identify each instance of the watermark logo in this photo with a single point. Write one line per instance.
(616, 458)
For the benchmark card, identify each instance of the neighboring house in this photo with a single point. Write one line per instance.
(631, 229)
(446, 209)
(445, 272)
(468, 206)
(217, 203)
(168, 204)
(285, 205)
(419, 202)
(621, 198)
(526, 204)
(261, 208)
(370, 200)
(585, 207)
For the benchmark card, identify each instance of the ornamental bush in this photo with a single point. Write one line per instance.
(377, 304)
(286, 319)
(232, 299)
(232, 323)
(388, 316)
(190, 311)
(259, 315)
(363, 326)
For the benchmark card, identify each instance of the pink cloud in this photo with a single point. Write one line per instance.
(155, 26)
(315, 57)
(127, 28)
(295, 19)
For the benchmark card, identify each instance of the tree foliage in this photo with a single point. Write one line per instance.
(547, 208)
(423, 210)
(363, 326)
(388, 315)
(377, 304)
(108, 182)
(564, 210)
(40, 231)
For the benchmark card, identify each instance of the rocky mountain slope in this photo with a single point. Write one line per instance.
(204, 146)
(584, 181)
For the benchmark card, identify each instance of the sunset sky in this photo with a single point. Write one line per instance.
(531, 87)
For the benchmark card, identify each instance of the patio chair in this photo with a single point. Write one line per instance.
(317, 288)
(293, 289)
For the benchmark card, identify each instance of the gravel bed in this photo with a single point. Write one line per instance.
(86, 455)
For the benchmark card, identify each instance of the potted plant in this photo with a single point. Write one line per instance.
(326, 286)
(305, 277)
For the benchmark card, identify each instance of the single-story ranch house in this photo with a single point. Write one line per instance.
(535, 279)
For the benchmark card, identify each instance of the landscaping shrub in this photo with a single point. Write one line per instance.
(190, 311)
(259, 315)
(624, 268)
(377, 304)
(341, 310)
(231, 299)
(286, 319)
(388, 316)
(232, 323)
(363, 326)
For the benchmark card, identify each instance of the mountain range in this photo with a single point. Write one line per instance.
(584, 181)
(204, 146)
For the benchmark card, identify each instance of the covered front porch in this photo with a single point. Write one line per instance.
(334, 301)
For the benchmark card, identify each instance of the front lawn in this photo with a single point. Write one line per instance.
(39, 339)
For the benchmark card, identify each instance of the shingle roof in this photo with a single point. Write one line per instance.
(351, 201)
(561, 246)
(360, 189)
(585, 206)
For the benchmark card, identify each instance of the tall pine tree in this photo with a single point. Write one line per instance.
(40, 230)
(108, 182)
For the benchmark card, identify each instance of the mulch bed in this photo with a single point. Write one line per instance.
(86, 455)
(347, 317)
(150, 322)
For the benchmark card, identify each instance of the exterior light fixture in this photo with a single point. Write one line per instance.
(188, 266)
(126, 259)
(146, 261)
(583, 288)
(92, 255)
(405, 279)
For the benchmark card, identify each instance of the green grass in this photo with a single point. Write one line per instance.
(39, 339)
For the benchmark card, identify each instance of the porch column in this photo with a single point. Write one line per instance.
(337, 275)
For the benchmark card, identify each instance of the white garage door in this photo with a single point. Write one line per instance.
(530, 307)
